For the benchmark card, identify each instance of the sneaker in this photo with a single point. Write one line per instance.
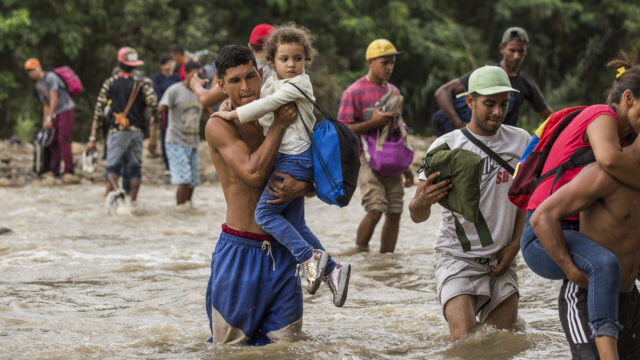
(338, 282)
(313, 269)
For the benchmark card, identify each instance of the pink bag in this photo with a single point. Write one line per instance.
(74, 86)
(390, 156)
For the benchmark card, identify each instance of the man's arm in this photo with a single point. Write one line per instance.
(444, 96)
(207, 97)
(591, 184)
(252, 168)
(545, 113)
(98, 111)
(46, 121)
(426, 195)
(53, 103)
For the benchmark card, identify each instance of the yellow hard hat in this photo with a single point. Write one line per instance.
(380, 47)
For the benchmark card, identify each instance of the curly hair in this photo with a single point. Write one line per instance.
(628, 79)
(287, 34)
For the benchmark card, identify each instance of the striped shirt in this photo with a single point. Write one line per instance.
(361, 95)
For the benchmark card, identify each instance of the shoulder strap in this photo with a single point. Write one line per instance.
(134, 92)
(315, 103)
(487, 150)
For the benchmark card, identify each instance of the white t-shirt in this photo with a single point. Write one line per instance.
(509, 142)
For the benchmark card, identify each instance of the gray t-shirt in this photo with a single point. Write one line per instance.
(184, 117)
(52, 82)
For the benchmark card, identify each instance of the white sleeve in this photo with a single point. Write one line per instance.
(270, 103)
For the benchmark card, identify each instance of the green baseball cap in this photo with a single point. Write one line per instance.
(488, 80)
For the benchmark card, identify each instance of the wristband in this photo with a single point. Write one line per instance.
(48, 119)
(92, 138)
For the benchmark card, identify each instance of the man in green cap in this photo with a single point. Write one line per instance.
(478, 284)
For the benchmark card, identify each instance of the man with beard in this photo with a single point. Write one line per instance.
(475, 269)
(514, 47)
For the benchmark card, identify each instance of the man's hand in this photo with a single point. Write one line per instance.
(283, 187)
(285, 116)
(426, 195)
(380, 119)
(91, 145)
(578, 277)
(47, 122)
(196, 83)
(505, 258)
(408, 177)
(429, 193)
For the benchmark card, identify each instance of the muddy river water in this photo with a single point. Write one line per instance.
(77, 284)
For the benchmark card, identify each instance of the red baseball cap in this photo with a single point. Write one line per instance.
(259, 32)
(129, 56)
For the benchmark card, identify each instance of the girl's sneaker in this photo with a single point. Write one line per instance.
(313, 269)
(338, 282)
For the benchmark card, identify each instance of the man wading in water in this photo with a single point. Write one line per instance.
(479, 279)
(610, 216)
(253, 296)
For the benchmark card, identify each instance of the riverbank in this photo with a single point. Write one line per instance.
(16, 164)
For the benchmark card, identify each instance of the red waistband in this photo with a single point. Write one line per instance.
(247, 234)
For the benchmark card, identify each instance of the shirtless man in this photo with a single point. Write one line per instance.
(253, 296)
(610, 216)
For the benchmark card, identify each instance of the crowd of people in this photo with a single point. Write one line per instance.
(579, 224)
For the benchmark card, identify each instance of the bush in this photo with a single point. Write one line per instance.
(25, 127)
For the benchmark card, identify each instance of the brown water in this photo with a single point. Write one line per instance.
(76, 284)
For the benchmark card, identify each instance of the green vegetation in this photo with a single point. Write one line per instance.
(571, 41)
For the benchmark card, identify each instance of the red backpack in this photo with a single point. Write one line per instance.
(528, 174)
(71, 80)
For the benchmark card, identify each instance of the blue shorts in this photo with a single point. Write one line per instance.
(183, 164)
(253, 296)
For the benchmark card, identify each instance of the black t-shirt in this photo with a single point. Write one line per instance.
(119, 93)
(528, 91)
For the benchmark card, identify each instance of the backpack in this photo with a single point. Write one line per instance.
(336, 158)
(70, 79)
(528, 174)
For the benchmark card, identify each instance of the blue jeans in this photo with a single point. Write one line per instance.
(599, 263)
(285, 220)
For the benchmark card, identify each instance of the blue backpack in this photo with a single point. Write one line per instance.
(336, 158)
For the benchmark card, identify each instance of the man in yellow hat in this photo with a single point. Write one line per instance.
(380, 193)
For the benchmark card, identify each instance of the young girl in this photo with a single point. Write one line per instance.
(288, 52)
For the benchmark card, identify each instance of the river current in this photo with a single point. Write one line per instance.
(78, 284)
